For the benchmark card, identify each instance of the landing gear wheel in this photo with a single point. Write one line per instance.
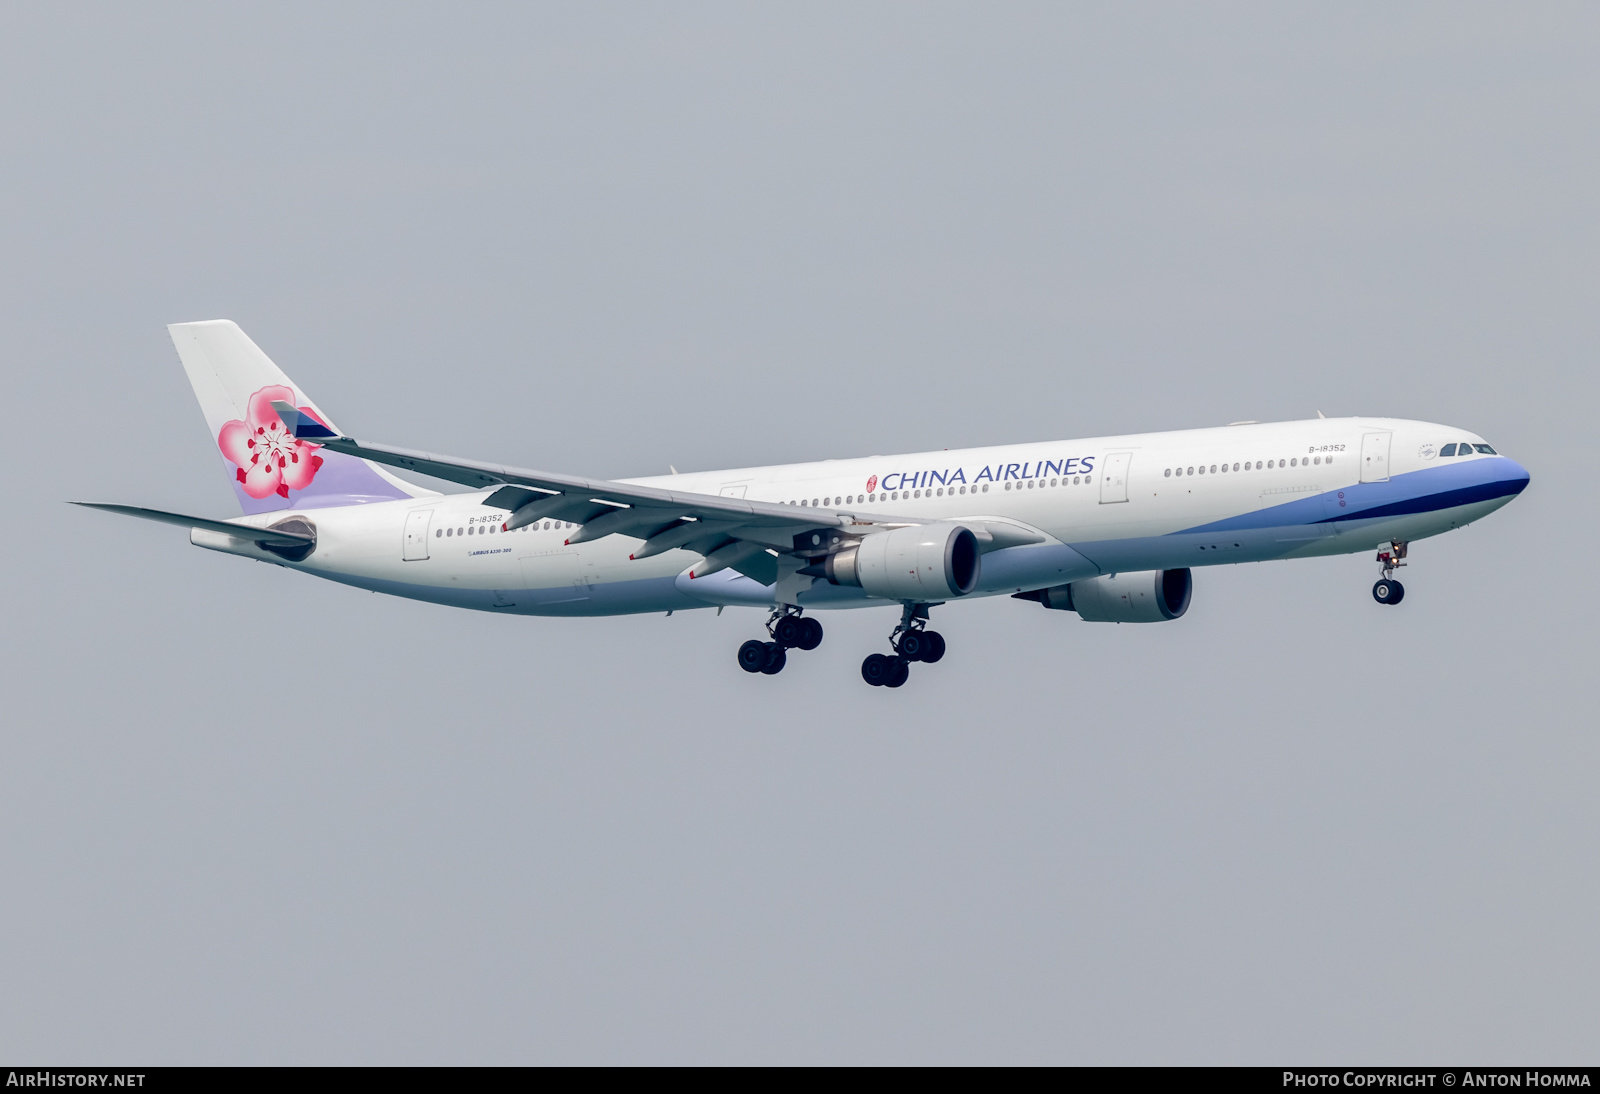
(787, 631)
(810, 634)
(900, 673)
(776, 659)
(877, 669)
(933, 642)
(1388, 591)
(913, 645)
(753, 655)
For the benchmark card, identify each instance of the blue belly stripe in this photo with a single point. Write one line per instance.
(1442, 486)
(1428, 503)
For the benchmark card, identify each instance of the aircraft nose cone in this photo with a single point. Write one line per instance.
(1518, 478)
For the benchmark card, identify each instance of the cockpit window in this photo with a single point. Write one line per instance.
(1448, 450)
(1486, 450)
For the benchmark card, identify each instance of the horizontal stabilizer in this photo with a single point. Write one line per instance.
(227, 528)
(303, 426)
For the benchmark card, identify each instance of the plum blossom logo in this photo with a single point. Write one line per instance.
(269, 459)
(872, 484)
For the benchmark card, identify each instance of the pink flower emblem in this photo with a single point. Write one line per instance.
(270, 459)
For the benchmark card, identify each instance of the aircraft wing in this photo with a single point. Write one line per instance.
(730, 532)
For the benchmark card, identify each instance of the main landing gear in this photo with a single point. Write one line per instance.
(790, 631)
(912, 641)
(1388, 590)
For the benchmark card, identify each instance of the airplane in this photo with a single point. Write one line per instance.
(1111, 528)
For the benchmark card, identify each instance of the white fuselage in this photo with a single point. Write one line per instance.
(1104, 505)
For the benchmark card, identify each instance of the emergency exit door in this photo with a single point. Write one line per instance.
(1375, 457)
(1114, 477)
(415, 548)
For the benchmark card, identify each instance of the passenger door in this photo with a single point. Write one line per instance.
(1375, 457)
(415, 546)
(1114, 477)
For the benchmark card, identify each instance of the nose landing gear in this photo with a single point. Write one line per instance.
(912, 641)
(1390, 558)
(789, 631)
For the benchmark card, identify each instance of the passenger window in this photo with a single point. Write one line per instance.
(1485, 449)
(438, 532)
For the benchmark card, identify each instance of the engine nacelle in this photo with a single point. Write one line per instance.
(1150, 596)
(927, 562)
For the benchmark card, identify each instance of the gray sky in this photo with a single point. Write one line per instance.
(246, 816)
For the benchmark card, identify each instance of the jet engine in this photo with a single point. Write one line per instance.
(1150, 596)
(926, 562)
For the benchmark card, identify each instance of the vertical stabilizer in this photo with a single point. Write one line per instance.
(269, 468)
